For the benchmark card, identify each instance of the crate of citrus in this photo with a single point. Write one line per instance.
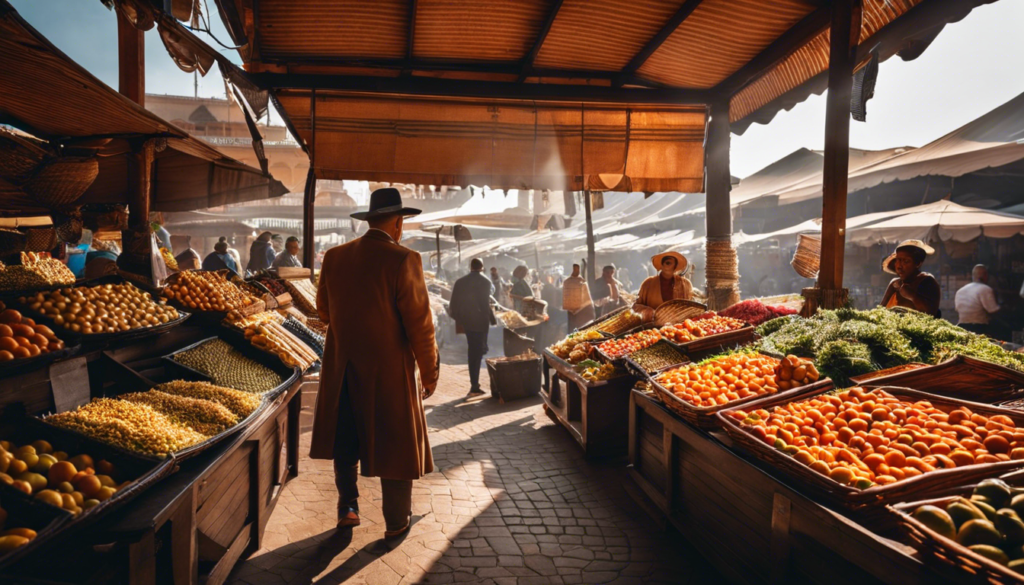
(697, 391)
(707, 332)
(863, 448)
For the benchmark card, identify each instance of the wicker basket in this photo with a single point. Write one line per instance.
(18, 157)
(68, 225)
(962, 377)
(105, 217)
(807, 257)
(11, 241)
(960, 563)
(677, 311)
(727, 339)
(62, 181)
(704, 417)
(575, 295)
(41, 239)
(873, 498)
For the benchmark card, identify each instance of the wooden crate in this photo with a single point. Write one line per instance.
(594, 413)
(742, 518)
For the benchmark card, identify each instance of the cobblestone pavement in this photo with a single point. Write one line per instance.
(511, 501)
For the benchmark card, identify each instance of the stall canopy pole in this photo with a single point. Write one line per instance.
(845, 31)
(309, 196)
(591, 254)
(719, 215)
(131, 61)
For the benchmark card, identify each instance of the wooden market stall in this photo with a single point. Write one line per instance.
(206, 505)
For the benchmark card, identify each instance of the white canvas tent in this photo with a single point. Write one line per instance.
(942, 220)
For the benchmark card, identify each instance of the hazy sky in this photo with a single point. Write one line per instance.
(974, 66)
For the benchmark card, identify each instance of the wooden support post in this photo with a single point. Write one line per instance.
(591, 254)
(845, 32)
(719, 182)
(308, 229)
(131, 61)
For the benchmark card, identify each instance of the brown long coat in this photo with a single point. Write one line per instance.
(373, 295)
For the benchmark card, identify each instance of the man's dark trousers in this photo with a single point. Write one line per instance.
(477, 341)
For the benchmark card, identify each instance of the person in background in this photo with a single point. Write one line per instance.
(289, 257)
(219, 259)
(101, 260)
(605, 291)
(277, 242)
(520, 287)
(912, 288)
(369, 415)
(189, 259)
(235, 256)
(666, 286)
(584, 313)
(162, 235)
(551, 293)
(500, 292)
(976, 302)
(261, 254)
(470, 306)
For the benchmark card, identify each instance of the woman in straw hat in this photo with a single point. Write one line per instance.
(665, 286)
(912, 288)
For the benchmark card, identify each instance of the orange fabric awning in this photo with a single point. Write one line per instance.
(510, 144)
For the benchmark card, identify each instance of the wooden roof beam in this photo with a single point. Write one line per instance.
(793, 39)
(666, 31)
(545, 28)
(410, 40)
(428, 86)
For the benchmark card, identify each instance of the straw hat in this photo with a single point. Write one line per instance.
(680, 260)
(887, 264)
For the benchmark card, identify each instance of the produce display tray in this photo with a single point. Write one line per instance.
(874, 498)
(130, 335)
(26, 512)
(619, 361)
(728, 339)
(288, 375)
(640, 372)
(143, 470)
(961, 377)
(957, 562)
(704, 417)
(72, 345)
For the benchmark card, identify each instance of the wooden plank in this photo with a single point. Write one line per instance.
(220, 572)
(698, 495)
(780, 538)
(542, 35)
(294, 428)
(658, 39)
(744, 502)
(131, 62)
(142, 561)
(652, 468)
(845, 30)
(184, 548)
(718, 182)
(781, 48)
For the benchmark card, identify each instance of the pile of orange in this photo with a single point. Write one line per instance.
(703, 326)
(21, 337)
(722, 380)
(615, 348)
(861, 438)
(73, 483)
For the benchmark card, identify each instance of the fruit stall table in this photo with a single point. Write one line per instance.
(749, 523)
(192, 526)
(594, 413)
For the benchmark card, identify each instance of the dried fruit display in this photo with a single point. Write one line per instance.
(721, 380)
(74, 483)
(135, 427)
(575, 348)
(22, 338)
(208, 291)
(273, 285)
(314, 340)
(227, 366)
(303, 294)
(703, 326)
(240, 403)
(203, 416)
(592, 371)
(656, 357)
(35, 271)
(862, 438)
(104, 308)
(273, 337)
(618, 323)
(616, 348)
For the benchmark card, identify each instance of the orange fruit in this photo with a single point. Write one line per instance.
(61, 471)
(23, 486)
(82, 462)
(89, 485)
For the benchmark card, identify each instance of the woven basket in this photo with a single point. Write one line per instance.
(677, 311)
(11, 241)
(18, 157)
(959, 561)
(62, 181)
(575, 295)
(41, 239)
(807, 257)
(105, 217)
(873, 499)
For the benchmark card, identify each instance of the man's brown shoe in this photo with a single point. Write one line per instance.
(392, 534)
(348, 517)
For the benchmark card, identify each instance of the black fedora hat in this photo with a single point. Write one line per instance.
(387, 201)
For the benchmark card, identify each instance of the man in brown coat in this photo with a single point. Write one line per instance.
(369, 410)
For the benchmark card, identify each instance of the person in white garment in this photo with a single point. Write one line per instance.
(976, 302)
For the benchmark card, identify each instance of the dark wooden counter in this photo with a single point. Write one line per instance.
(742, 518)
